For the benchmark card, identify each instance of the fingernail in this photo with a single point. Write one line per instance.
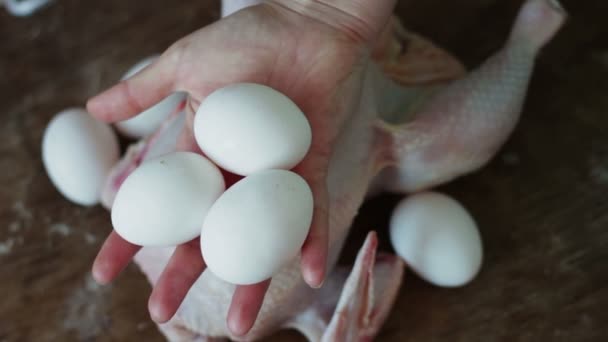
(98, 275)
(153, 314)
(313, 280)
(319, 285)
(236, 328)
(156, 312)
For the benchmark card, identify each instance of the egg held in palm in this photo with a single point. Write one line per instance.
(165, 200)
(78, 153)
(257, 226)
(146, 122)
(437, 238)
(246, 127)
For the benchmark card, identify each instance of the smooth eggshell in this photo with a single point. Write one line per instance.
(150, 119)
(257, 226)
(245, 128)
(165, 200)
(78, 153)
(438, 239)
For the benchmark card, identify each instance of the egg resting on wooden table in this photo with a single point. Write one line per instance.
(437, 238)
(78, 153)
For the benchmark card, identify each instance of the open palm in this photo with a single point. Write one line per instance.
(318, 65)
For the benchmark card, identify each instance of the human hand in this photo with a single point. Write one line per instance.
(312, 51)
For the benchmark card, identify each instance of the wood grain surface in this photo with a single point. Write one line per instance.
(541, 204)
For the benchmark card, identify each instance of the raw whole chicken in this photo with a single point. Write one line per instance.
(421, 122)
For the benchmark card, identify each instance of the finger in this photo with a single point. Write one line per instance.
(113, 257)
(245, 306)
(314, 250)
(182, 270)
(134, 95)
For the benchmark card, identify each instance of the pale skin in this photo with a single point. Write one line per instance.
(311, 50)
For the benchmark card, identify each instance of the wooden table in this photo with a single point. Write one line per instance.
(541, 204)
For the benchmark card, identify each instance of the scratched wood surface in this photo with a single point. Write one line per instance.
(541, 204)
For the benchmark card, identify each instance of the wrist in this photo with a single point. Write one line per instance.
(362, 20)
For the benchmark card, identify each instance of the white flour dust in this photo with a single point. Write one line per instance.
(7, 246)
(22, 212)
(65, 230)
(60, 229)
(90, 238)
(87, 310)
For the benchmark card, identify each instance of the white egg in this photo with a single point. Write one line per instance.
(257, 226)
(165, 200)
(437, 238)
(149, 120)
(78, 153)
(245, 128)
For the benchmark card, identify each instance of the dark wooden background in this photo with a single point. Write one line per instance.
(541, 204)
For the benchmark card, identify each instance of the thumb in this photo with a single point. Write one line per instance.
(137, 93)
